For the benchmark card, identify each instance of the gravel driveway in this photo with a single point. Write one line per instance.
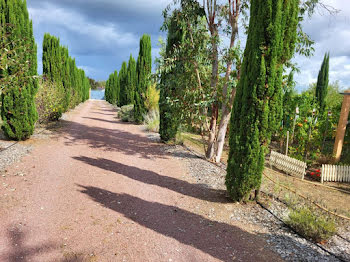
(101, 190)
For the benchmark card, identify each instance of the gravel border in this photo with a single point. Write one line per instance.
(289, 245)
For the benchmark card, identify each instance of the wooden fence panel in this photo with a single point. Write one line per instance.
(287, 164)
(333, 173)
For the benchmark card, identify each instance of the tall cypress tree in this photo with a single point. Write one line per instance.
(18, 110)
(116, 88)
(168, 123)
(123, 78)
(131, 80)
(258, 103)
(143, 69)
(322, 84)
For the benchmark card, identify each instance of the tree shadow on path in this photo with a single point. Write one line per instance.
(220, 240)
(199, 191)
(110, 140)
(18, 249)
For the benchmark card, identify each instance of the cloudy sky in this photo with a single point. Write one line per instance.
(101, 34)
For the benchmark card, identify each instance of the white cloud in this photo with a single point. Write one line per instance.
(104, 33)
(331, 34)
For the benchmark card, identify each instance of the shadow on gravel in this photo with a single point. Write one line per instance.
(220, 240)
(109, 140)
(199, 191)
(18, 249)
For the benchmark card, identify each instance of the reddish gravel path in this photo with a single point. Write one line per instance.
(102, 191)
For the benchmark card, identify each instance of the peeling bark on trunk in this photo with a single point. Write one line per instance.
(212, 133)
(227, 98)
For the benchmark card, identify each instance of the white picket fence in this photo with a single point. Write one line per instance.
(287, 164)
(331, 173)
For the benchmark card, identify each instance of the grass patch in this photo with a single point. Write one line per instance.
(151, 120)
(126, 113)
(311, 224)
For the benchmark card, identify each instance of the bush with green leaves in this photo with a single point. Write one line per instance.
(49, 101)
(311, 224)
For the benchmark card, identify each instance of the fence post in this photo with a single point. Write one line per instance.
(287, 145)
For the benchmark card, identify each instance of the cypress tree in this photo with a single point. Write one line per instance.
(116, 89)
(18, 110)
(258, 103)
(322, 84)
(108, 90)
(143, 69)
(60, 68)
(168, 123)
(123, 78)
(131, 80)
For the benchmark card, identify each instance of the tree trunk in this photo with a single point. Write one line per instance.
(234, 11)
(225, 118)
(212, 133)
(214, 82)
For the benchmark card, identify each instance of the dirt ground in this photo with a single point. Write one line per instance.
(100, 190)
(332, 199)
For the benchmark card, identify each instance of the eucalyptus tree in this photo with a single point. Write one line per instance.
(223, 61)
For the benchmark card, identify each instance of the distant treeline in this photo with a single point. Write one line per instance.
(130, 85)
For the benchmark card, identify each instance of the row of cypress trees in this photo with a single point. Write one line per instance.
(18, 111)
(61, 69)
(18, 71)
(120, 88)
(130, 85)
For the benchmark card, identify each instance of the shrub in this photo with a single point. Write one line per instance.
(151, 120)
(311, 224)
(152, 98)
(49, 101)
(126, 113)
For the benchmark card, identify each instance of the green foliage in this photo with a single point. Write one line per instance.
(312, 131)
(311, 224)
(123, 85)
(93, 83)
(143, 69)
(61, 69)
(126, 113)
(131, 80)
(185, 96)
(49, 101)
(152, 97)
(112, 91)
(152, 120)
(322, 84)
(17, 71)
(257, 109)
